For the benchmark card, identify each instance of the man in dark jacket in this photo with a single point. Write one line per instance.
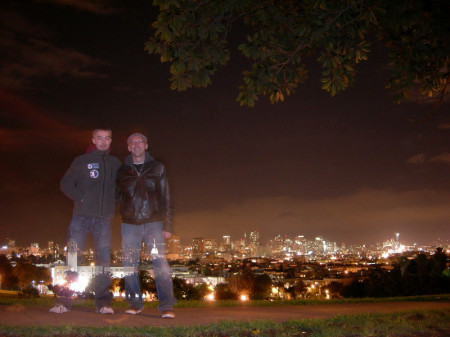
(90, 182)
(144, 199)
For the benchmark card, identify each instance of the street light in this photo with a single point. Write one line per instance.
(244, 297)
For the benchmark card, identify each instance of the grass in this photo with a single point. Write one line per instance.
(402, 324)
(10, 298)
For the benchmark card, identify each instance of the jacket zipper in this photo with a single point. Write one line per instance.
(103, 184)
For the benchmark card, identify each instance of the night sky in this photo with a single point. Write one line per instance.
(354, 168)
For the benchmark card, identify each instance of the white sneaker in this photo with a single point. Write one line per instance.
(133, 311)
(168, 314)
(105, 310)
(59, 309)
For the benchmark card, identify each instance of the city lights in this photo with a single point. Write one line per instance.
(244, 297)
(210, 297)
(298, 268)
(80, 284)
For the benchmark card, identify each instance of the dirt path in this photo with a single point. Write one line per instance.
(37, 315)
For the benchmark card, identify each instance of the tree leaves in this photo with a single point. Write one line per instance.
(282, 34)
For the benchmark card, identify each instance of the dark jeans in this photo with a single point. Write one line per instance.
(100, 227)
(132, 237)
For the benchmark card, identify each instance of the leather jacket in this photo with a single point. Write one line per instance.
(143, 194)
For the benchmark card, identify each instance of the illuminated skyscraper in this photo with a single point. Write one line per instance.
(210, 245)
(10, 243)
(226, 240)
(34, 249)
(198, 247)
(254, 238)
(225, 245)
(173, 244)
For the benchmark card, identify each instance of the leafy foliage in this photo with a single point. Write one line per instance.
(8, 279)
(261, 287)
(419, 276)
(28, 273)
(281, 35)
(223, 292)
(187, 291)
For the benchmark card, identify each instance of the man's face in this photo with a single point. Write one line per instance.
(137, 146)
(102, 140)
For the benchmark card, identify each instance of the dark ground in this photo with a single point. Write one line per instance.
(19, 315)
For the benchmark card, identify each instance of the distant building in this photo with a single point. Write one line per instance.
(210, 245)
(34, 249)
(72, 257)
(198, 247)
(173, 247)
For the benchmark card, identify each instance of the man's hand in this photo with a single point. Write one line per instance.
(167, 235)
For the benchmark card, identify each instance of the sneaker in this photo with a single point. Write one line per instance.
(133, 311)
(59, 309)
(105, 310)
(168, 314)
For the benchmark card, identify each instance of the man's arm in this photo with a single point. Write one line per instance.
(165, 199)
(69, 183)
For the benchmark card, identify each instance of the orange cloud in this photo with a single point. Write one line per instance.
(24, 127)
(417, 159)
(442, 158)
(103, 7)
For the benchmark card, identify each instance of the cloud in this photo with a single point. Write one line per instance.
(421, 159)
(444, 126)
(31, 55)
(366, 216)
(40, 59)
(103, 7)
(442, 158)
(417, 159)
(25, 127)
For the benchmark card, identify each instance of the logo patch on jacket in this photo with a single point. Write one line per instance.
(94, 174)
(93, 166)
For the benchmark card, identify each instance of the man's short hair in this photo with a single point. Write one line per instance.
(97, 130)
(136, 134)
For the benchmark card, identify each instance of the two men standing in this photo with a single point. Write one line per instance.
(144, 199)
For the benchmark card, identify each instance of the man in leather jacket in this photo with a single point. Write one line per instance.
(90, 182)
(144, 202)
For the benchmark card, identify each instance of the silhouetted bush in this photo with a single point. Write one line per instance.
(29, 292)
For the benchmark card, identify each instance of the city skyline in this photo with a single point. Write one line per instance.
(351, 166)
(396, 237)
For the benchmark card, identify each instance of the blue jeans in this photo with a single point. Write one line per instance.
(100, 227)
(132, 237)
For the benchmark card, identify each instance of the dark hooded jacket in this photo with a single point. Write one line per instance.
(90, 182)
(143, 194)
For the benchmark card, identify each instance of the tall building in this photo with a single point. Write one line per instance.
(226, 240)
(173, 247)
(254, 242)
(210, 245)
(225, 245)
(254, 238)
(53, 249)
(72, 255)
(10, 243)
(198, 247)
(34, 249)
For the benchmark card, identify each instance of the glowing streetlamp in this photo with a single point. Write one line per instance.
(210, 297)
